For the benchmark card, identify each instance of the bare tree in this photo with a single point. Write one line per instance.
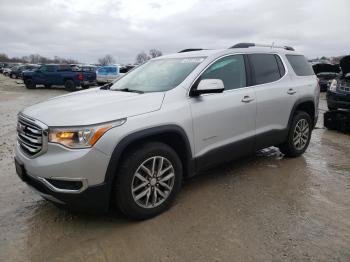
(142, 57)
(155, 53)
(36, 59)
(106, 60)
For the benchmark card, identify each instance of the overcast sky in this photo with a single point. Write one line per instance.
(88, 29)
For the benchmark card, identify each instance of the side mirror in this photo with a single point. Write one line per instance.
(208, 86)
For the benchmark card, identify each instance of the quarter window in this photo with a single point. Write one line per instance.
(230, 69)
(300, 65)
(265, 67)
(280, 65)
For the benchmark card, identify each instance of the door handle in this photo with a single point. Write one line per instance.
(291, 91)
(247, 99)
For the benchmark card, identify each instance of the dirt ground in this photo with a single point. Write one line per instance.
(262, 208)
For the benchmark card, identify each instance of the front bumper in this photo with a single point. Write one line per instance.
(62, 164)
(338, 100)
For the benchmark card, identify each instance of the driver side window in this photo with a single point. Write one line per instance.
(230, 69)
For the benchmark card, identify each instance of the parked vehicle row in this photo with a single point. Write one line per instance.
(69, 76)
(338, 94)
(61, 75)
(325, 74)
(17, 71)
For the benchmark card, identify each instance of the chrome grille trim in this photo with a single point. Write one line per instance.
(32, 136)
(344, 89)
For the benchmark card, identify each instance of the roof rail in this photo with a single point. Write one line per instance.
(246, 45)
(190, 50)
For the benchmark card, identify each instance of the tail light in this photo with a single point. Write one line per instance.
(80, 77)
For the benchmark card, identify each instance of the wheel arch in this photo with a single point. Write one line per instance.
(172, 135)
(307, 105)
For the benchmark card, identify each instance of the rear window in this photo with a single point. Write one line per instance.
(265, 67)
(300, 65)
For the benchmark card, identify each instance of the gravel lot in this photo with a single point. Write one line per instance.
(262, 208)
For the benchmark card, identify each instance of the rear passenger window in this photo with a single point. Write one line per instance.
(300, 65)
(230, 69)
(265, 67)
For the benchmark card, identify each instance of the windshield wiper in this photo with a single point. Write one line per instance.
(129, 90)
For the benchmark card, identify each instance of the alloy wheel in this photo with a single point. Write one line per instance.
(301, 134)
(153, 182)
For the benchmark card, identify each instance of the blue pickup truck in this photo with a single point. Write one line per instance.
(60, 75)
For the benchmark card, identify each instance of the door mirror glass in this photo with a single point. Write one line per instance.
(207, 86)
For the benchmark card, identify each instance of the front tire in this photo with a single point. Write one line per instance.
(299, 135)
(148, 180)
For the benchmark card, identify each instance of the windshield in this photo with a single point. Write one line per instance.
(158, 75)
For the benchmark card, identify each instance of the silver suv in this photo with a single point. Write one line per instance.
(131, 143)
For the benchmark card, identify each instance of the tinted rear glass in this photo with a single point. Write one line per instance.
(280, 65)
(300, 65)
(265, 68)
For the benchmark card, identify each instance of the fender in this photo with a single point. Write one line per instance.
(143, 134)
(296, 104)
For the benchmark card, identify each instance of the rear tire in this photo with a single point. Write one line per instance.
(13, 76)
(141, 193)
(70, 85)
(30, 84)
(299, 135)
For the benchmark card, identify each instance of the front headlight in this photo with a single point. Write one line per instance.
(333, 86)
(83, 136)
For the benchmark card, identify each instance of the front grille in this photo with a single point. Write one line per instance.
(344, 88)
(30, 136)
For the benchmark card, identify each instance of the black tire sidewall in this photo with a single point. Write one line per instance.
(129, 165)
(69, 85)
(289, 147)
(29, 83)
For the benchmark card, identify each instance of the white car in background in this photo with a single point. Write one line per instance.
(108, 74)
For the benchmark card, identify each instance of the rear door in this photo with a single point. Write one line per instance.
(224, 123)
(275, 94)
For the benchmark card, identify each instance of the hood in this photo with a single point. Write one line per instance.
(345, 64)
(325, 68)
(93, 106)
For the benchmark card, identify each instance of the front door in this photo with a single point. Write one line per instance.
(224, 123)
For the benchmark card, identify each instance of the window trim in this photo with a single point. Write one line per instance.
(249, 72)
(283, 63)
(194, 83)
